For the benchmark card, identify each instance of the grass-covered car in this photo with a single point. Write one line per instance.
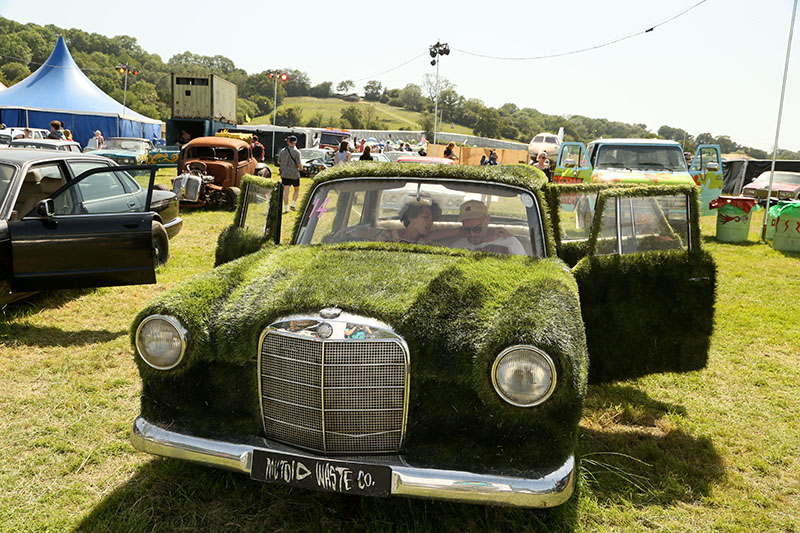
(644, 161)
(375, 354)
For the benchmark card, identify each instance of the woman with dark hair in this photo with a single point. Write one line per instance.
(366, 155)
(418, 218)
(343, 155)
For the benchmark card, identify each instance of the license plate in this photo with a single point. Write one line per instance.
(321, 474)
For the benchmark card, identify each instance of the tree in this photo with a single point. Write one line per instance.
(373, 90)
(299, 84)
(316, 121)
(351, 115)
(488, 124)
(15, 49)
(323, 90)
(289, 116)
(264, 104)
(429, 86)
(345, 86)
(411, 97)
(14, 72)
(426, 124)
(245, 108)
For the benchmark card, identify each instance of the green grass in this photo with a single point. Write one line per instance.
(385, 117)
(716, 449)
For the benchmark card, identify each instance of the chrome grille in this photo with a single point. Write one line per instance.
(334, 396)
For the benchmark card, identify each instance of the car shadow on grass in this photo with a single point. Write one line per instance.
(26, 334)
(170, 495)
(632, 448)
(38, 301)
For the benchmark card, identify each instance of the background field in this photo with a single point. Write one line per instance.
(386, 117)
(711, 450)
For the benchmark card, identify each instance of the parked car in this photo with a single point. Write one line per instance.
(163, 156)
(785, 186)
(210, 170)
(126, 150)
(47, 144)
(644, 161)
(315, 160)
(75, 220)
(9, 134)
(350, 361)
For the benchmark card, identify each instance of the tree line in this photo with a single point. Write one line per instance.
(24, 47)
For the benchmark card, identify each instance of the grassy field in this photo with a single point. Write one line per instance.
(717, 449)
(385, 117)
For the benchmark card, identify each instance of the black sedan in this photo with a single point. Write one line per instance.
(72, 220)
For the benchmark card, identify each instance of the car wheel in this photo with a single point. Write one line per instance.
(160, 244)
(232, 196)
(160, 187)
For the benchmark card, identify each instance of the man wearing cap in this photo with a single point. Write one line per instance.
(289, 160)
(474, 218)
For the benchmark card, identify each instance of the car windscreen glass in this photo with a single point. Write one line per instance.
(6, 173)
(780, 177)
(453, 214)
(255, 212)
(641, 157)
(312, 153)
(331, 138)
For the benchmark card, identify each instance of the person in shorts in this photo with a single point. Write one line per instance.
(290, 165)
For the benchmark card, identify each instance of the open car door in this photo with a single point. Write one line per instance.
(647, 289)
(706, 169)
(94, 231)
(572, 165)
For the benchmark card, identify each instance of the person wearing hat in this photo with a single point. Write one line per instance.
(474, 218)
(290, 165)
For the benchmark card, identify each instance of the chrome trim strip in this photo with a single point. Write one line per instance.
(322, 398)
(618, 210)
(548, 490)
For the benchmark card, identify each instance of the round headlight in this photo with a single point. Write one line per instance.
(161, 341)
(524, 375)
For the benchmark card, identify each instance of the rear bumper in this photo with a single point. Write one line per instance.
(173, 227)
(546, 490)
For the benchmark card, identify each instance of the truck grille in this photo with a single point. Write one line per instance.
(334, 396)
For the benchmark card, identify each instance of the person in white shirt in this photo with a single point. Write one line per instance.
(474, 218)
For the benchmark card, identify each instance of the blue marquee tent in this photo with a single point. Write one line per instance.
(59, 90)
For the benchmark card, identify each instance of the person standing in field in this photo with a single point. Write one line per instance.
(343, 155)
(290, 165)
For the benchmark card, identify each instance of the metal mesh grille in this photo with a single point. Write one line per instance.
(363, 394)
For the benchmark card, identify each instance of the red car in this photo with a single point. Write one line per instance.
(785, 186)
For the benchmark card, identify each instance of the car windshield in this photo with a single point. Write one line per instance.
(332, 138)
(454, 214)
(6, 173)
(124, 144)
(792, 178)
(552, 140)
(209, 153)
(641, 157)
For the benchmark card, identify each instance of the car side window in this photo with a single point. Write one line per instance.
(640, 224)
(99, 193)
(39, 182)
(79, 167)
(255, 209)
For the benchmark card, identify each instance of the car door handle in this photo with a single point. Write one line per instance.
(131, 204)
(131, 225)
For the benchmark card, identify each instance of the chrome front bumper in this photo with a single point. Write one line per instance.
(548, 490)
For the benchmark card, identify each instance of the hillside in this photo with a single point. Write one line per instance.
(381, 116)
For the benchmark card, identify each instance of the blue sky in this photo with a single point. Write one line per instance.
(716, 69)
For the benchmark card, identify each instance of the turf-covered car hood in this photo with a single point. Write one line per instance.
(456, 310)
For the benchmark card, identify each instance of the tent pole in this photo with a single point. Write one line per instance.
(778, 127)
(26, 119)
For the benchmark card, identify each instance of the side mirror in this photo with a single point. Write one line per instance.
(569, 163)
(713, 166)
(46, 208)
